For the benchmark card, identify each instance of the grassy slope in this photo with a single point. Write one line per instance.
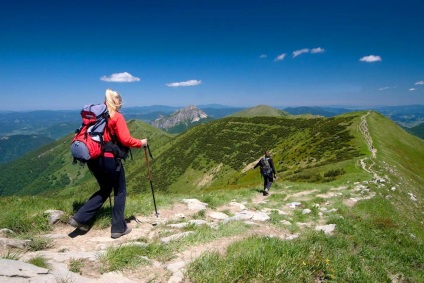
(377, 240)
(400, 156)
(219, 154)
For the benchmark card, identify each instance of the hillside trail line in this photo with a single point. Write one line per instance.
(363, 128)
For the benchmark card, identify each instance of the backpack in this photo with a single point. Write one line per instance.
(266, 169)
(88, 140)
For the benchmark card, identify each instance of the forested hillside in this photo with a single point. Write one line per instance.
(11, 147)
(49, 169)
(417, 130)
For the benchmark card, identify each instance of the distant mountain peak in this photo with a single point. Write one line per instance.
(260, 110)
(185, 116)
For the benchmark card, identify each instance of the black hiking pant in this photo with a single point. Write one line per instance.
(110, 175)
(268, 182)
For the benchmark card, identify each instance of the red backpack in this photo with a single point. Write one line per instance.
(88, 140)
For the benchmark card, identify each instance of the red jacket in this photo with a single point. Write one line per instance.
(117, 126)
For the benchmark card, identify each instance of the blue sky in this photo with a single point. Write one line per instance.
(64, 54)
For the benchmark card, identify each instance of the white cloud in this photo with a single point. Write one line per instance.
(263, 56)
(412, 89)
(280, 57)
(299, 52)
(419, 83)
(120, 78)
(370, 59)
(384, 88)
(186, 83)
(317, 50)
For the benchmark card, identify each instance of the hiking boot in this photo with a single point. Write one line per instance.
(266, 192)
(79, 226)
(117, 235)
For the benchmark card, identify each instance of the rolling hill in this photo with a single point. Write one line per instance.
(260, 110)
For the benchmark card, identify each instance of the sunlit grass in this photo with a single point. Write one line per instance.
(39, 261)
(369, 246)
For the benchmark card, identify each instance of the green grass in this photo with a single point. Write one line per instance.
(131, 257)
(262, 259)
(76, 265)
(25, 214)
(38, 243)
(371, 244)
(13, 255)
(39, 261)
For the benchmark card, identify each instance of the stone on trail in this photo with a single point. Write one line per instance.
(18, 271)
(14, 243)
(218, 215)
(294, 204)
(248, 215)
(54, 215)
(327, 229)
(195, 204)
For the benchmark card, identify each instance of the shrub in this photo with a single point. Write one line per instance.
(334, 173)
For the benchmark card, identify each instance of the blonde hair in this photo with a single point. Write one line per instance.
(113, 100)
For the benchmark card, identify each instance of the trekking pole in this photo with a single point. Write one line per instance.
(147, 148)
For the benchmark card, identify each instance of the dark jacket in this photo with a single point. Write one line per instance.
(271, 164)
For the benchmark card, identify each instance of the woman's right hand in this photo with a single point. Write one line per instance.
(144, 142)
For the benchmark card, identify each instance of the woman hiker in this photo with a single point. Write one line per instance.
(109, 173)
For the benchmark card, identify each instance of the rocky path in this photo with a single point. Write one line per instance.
(69, 245)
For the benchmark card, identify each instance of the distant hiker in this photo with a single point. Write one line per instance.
(109, 172)
(267, 170)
